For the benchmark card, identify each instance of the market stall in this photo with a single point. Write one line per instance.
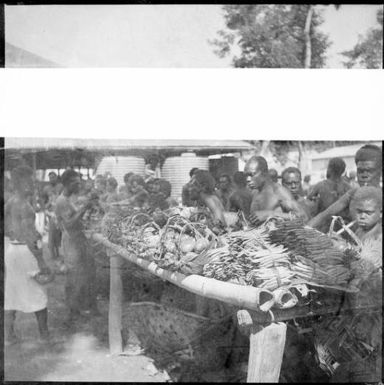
(248, 270)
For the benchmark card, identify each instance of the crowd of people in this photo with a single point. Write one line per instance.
(256, 193)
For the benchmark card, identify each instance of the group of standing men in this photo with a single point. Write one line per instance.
(258, 195)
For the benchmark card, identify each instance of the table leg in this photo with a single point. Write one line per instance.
(266, 348)
(115, 305)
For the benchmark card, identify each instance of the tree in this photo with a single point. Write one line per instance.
(272, 36)
(280, 148)
(368, 52)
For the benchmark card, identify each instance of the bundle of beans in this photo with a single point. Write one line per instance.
(315, 259)
(328, 275)
(306, 241)
(224, 266)
(248, 258)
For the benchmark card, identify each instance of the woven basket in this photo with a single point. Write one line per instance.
(165, 331)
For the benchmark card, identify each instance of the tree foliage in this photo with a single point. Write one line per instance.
(270, 36)
(368, 52)
(281, 148)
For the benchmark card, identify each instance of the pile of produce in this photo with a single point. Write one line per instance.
(315, 259)
(280, 253)
(182, 245)
(248, 258)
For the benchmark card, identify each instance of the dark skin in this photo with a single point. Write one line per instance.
(211, 201)
(20, 226)
(225, 191)
(270, 199)
(20, 221)
(367, 214)
(72, 188)
(368, 174)
(51, 191)
(292, 182)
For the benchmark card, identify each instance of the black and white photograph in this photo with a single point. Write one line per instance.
(192, 193)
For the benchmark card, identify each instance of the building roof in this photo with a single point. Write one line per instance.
(39, 144)
(58, 153)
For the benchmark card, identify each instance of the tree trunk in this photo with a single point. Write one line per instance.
(307, 33)
(264, 147)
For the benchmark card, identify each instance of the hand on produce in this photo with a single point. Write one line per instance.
(259, 216)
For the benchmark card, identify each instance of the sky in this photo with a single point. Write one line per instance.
(150, 35)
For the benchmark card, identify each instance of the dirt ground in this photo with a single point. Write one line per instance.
(78, 353)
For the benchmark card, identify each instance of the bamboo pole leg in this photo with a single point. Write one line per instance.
(266, 352)
(115, 304)
(266, 348)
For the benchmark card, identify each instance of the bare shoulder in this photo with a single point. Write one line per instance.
(23, 208)
(61, 202)
(282, 191)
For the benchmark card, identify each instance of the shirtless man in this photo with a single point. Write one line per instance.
(330, 190)
(50, 195)
(185, 198)
(291, 180)
(80, 293)
(269, 199)
(201, 189)
(241, 198)
(273, 175)
(139, 196)
(124, 191)
(225, 190)
(368, 161)
(23, 254)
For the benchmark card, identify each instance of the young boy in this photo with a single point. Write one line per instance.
(366, 210)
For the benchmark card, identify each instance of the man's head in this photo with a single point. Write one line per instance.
(352, 175)
(336, 168)
(366, 206)
(273, 175)
(291, 179)
(136, 183)
(71, 181)
(155, 186)
(192, 171)
(88, 186)
(165, 187)
(52, 178)
(22, 180)
(201, 182)
(149, 186)
(368, 161)
(100, 183)
(256, 170)
(126, 177)
(307, 178)
(111, 184)
(224, 182)
(239, 179)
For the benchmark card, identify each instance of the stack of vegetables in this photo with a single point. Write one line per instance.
(280, 253)
(179, 245)
(248, 258)
(315, 259)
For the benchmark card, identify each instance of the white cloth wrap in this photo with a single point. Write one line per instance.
(21, 291)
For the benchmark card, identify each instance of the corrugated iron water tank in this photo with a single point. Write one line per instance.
(118, 166)
(176, 170)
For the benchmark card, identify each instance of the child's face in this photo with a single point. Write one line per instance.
(366, 213)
